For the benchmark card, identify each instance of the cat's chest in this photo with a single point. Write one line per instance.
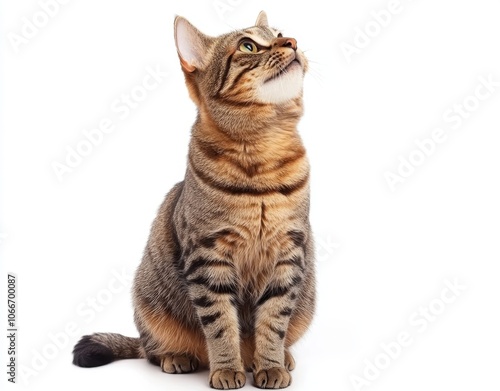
(263, 241)
(264, 223)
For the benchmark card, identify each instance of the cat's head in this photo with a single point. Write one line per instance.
(256, 65)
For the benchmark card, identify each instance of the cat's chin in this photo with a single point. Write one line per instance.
(282, 87)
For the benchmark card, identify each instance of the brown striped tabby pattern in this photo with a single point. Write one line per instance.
(227, 278)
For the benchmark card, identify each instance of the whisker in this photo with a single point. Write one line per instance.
(316, 75)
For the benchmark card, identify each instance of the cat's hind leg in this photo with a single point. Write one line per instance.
(178, 363)
(289, 360)
(169, 343)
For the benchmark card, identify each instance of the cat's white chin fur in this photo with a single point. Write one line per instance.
(282, 88)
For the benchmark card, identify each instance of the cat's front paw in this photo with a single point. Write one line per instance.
(272, 378)
(227, 379)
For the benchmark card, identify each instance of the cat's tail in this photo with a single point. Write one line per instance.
(102, 348)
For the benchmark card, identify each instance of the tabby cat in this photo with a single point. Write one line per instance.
(227, 278)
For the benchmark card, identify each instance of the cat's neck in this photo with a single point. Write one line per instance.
(250, 123)
(276, 145)
(259, 157)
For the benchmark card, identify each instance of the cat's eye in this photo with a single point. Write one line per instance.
(248, 47)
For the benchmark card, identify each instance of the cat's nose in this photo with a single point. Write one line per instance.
(285, 42)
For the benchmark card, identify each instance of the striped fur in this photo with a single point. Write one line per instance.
(227, 277)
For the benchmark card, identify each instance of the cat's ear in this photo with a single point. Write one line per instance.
(262, 20)
(192, 44)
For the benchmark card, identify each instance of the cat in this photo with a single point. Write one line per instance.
(227, 279)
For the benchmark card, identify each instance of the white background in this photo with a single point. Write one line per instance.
(382, 254)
